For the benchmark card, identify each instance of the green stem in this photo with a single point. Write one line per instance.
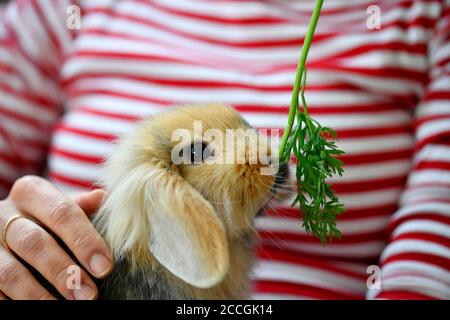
(305, 105)
(298, 77)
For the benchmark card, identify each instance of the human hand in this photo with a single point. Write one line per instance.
(42, 206)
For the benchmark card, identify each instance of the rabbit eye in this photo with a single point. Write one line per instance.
(199, 152)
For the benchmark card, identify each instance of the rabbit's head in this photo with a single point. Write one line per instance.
(183, 185)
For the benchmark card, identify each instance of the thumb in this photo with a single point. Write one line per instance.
(89, 202)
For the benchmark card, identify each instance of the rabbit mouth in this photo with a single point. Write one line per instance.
(280, 179)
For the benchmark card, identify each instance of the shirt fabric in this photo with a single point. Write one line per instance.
(66, 94)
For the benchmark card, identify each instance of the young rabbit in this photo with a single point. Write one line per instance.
(182, 231)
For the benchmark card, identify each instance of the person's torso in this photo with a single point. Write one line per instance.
(132, 59)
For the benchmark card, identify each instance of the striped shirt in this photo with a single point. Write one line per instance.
(66, 94)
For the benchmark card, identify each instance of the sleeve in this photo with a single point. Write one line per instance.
(416, 262)
(33, 42)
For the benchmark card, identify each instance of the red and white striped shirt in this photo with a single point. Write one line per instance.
(66, 94)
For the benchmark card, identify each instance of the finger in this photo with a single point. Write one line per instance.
(89, 202)
(35, 246)
(17, 282)
(2, 296)
(40, 199)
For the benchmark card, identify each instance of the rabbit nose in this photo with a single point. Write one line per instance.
(282, 174)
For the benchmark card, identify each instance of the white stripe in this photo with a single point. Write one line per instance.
(358, 250)
(434, 127)
(440, 84)
(53, 15)
(342, 121)
(75, 169)
(226, 95)
(423, 226)
(213, 30)
(82, 145)
(293, 273)
(284, 54)
(111, 104)
(359, 173)
(370, 199)
(34, 80)
(65, 187)
(421, 194)
(20, 106)
(416, 246)
(433, 152)
(379, 84)
(276, 296)
(25, 39)
(25, 132)
(182, 71)
(419, 208)
(361, 200)
(429, 176)
(98, 124)
(381, 58)
(347, 227)
(7, 172)
(417, 284)
(45, 53)
(377, 144)
(441, 54)
(12, 80)
(396, 267)
(248, 9)
(28, 153)
(433, 108)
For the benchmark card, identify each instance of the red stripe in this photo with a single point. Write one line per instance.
(398, 47)
(375, 157)
(421, 257)
(263, 19)
(437, 95)
(32, 122)
(419, 216)
(107, 114)
(36, 100)
(297, 42)
(302, 290)
(441, 137)
(424, 165)
(12, 41)
(369, 185)
(381, 72)
(213, 84)
(72, 181)
(45, 25)
(442, 240)
(403, 295)
(6, 68)
(84, 92)
(422, 120)
(344, 240)
(349, 214)
(283, 256)
(6, 183)
(76, 156)
(86, 133)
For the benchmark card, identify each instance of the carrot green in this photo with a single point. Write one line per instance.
(315, 153)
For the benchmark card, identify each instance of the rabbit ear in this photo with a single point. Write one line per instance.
(186, 235)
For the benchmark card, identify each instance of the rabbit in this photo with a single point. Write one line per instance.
(182, 231)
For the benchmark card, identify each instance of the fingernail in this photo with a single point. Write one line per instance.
(85, 292)
(100, 265)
